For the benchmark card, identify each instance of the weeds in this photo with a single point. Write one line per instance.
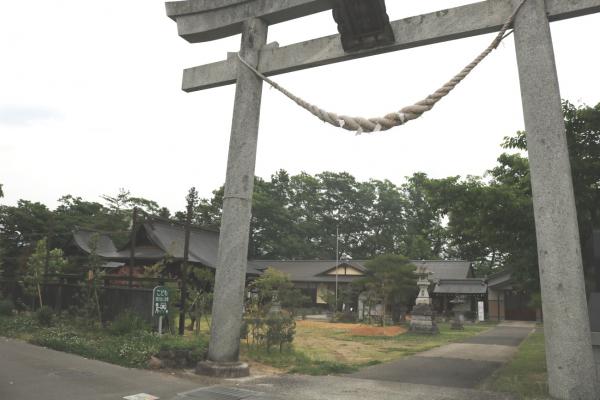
(131, 349)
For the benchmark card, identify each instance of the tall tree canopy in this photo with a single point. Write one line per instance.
(488, 219)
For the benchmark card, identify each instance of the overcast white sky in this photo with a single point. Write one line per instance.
(90, 102)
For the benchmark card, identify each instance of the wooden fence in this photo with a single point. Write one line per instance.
(62, 292)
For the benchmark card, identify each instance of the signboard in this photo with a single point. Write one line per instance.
(480, 311)
(160, 301)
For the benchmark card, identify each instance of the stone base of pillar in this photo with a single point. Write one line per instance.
(457, 325)
(223, 369)
(422, 320)
(596, 350)
(457, 322)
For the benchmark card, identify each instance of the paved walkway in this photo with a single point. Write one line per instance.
(461, 365)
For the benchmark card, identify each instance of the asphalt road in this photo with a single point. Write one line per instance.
(29, 372)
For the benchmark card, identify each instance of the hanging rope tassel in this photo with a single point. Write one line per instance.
(360, 124)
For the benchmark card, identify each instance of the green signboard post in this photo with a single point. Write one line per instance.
(160, 304)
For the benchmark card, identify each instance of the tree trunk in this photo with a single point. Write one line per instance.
(98, 305)
(40, 295)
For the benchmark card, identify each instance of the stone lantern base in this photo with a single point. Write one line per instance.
(422, 320)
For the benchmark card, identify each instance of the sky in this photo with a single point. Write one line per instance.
(90, 102)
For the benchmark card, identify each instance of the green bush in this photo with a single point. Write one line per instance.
(346, 316)
(186, 352)
(281, 329)
(17, 325)
(131, 350)
(6, 307)
(127, 322)
(171, 342)
(45, 316)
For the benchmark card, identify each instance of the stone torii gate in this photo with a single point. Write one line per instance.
(571, 370)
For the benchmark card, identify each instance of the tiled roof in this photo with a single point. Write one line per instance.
(312, 270)
(461, 286)
(165, 239)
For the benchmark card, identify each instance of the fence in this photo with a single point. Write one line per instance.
(62, 292)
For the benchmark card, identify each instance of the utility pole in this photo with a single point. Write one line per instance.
(132, 249)
(184, 270)
(47, 260)
(337, 255)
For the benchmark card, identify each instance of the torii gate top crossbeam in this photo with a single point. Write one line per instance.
(455, 23)
(205, 20)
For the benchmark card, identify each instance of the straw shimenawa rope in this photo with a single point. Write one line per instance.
(360, 124)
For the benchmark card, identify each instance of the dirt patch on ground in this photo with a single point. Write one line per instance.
(324, 325)
(258, 369)
(329, 349)
(367, 330)
(354, 329)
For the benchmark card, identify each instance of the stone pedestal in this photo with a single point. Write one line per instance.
(223, 369)
(422, 320)
(458, 321)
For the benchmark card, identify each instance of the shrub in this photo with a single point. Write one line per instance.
(45, 316)
(281, 329)
(346, 316)
(179, 352)
(127, 322)
(6, 307)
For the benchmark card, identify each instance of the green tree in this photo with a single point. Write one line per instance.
(21, 226)
(92, 292)
(392, 277)
(123, 202)
(275, 286)
(425, 235)
(583, 139)
(40, 262)
(200, 295)
(2, 251)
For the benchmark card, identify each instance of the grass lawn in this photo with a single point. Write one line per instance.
(325, 348)
(524, 375)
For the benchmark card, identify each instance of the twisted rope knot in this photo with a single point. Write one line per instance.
(405, 114)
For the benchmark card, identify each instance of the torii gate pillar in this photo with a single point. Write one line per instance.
(223, 350)
(571, 369)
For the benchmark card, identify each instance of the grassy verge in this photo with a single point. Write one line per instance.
(323, 348)
(297, 362)
(525, 375)
(128, 350)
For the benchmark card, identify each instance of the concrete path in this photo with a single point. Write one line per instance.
(461, 365)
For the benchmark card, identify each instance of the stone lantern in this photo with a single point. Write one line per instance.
(422, 315)
(459, 319)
